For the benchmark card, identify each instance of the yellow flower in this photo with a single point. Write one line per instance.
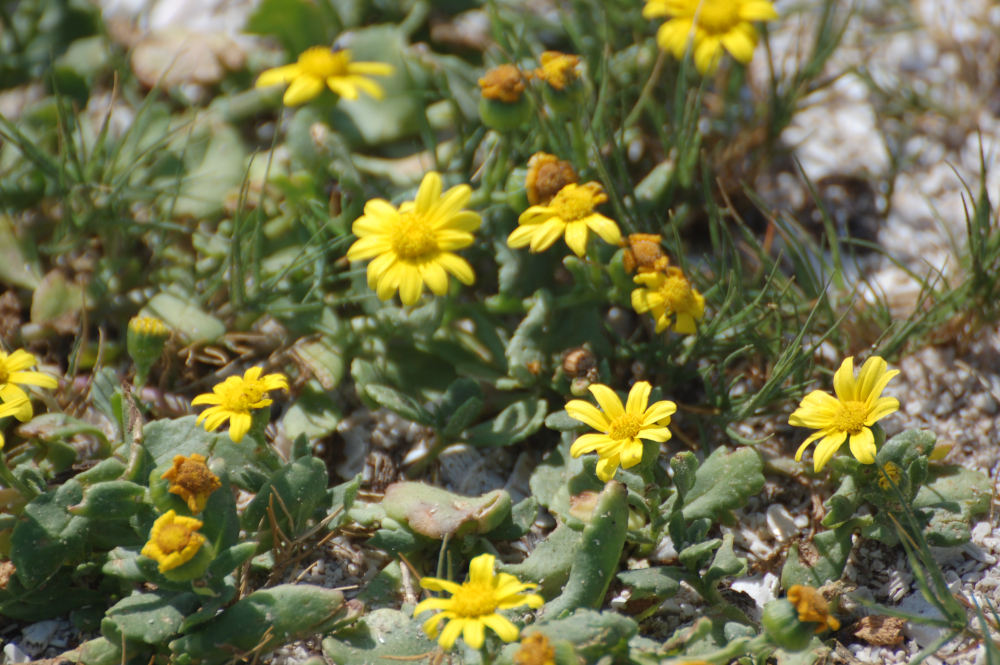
(13, 374)
(191, 480)
(173, 540)
(320, 65)
(235, 398)
(848, 415)
(621, 427)
(535, 650)
(812, 607)
(709, 26)
(473, 605)
(415, 244)
(547, 174)
(668, 294)
(558, 69)
(570, 212)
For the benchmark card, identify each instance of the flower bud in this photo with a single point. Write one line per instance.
(144, 341)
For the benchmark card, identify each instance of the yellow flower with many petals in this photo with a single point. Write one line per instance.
(473, 605)
(14, 373)
(622, 428)
(669, 294)
(849, 415)
(173, 540)
(570, 213)
(415, 244)
(812, 607)
(320, 66)
(235, 398)
(709, 26)
(191, 480)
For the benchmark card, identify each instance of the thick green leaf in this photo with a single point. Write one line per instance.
(515, 423)
(723, 482)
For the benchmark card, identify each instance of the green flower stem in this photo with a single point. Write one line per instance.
(13, 482)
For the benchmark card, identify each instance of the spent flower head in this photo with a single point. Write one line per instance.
(643, 252)
(504, 83)
(173, 540)
(414, 244)
(535, 649)
(321, 66)
(236, 398)
(709, 26)
(547, 174)
(570, 213)
(473, 605)
(191, 480)
(14, 373)
(670, 298)
(812, 607)
(559, 70)
(848, 416)
(621, 428)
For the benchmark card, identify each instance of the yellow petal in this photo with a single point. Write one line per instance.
(301, 90)
(473, 633)
(451, 633)
(740, 42)
(608, 400)
(458, 267)
(481, 569)
(631, 454)
(576, 237)
(587, 414)
(587, 443)
(863, 446)
(605, 228)
(638, 398)
(500, 625)
(277, 75)
(826, 448)
(843, 381)
(429, 191)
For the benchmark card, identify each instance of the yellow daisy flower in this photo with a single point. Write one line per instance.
(173, 540)
(415, 244)
(570, 213)
(622, 428)
(14, 373)
(849, 415)
(319, 66)
(235, 398)
(668, 294)
(191, 480)
(473, 605)
(709, 26)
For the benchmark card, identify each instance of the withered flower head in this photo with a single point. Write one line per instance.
(191, 480)
(547, 174)
(504, 83)
(644, 252)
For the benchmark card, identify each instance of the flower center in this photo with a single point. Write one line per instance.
(851, 418)
(676, 292)
(195, 477)
(474, 600)
(173, 538)
(891, 472)
(323, 63)
(413, 238)
(627, 426)
(573, 203)
(4, 373)
(718, 16)
(241, 397)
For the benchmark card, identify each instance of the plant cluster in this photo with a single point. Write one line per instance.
(483, 243)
